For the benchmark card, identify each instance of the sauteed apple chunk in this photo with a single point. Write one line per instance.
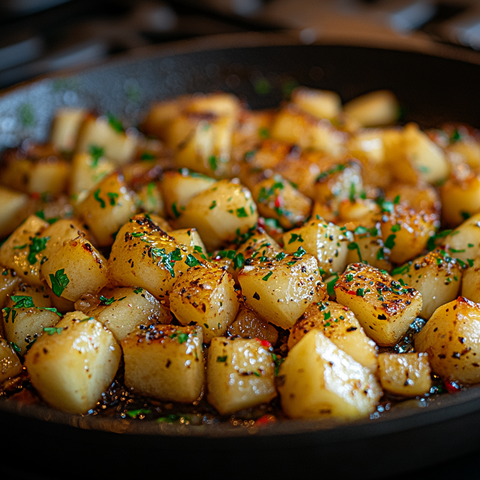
(241, 262)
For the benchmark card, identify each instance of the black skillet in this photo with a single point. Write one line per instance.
(39, 442)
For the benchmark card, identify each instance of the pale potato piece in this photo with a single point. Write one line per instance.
(150, 199)
(339, 324)
(280, 291)
(319, 380)
(107, 208)
(178, 187)
(373, 109)
(437, 276)
(65, 126)
(191, 239)
(9, 281)
(22, 251)
(74, 363)
(463, 242)
(206, 296)
(248, 324)
(384, 307)
(14, 204)
(165, 362)
(294, 126)
(319, 103)
(59, 233)
(220, 213)
(143, 255)
(326, 241)
(28, 312)
(406, 374)
(452, 340)
(122, 309)
(240, 374)
(471, 281)
(76, 268)
(10, 364)
(105, 132)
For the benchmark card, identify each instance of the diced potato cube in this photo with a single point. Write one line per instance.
(179, 187)
(10, 364)
(122, 309)
(220, 213)
(280, 291)
(27, 314)
(165, 362)
(470, 283)
(75, 269)
(339, 324)
(149, 199)
(107, 208)
(240, 374)
(384, 307)
(319, 103)
(13, 204)
(373, 109)
(406, 374)
(319, 380)
(326, 241)
(277, 198)
(107, 133)
(191, 239)
(143, 255)
(8, 283)
(74, 363)
(65, 126)
(206, 296)
(22, 251)
(450, 338)
(248, 324)
(463, 242)
(436, 276)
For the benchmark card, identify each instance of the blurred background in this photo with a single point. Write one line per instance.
(41, 36)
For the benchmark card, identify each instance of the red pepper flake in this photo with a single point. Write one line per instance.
(352, 292)
(35, 195)
(452, 387)
(261, 222)
(278, 201)
(265, 419)
(265, 343)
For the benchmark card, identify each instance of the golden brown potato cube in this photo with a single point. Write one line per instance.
(75, 269)
(108, 133)
(87, 169)
(373, 109)
(277, 198)
(149, 199)
(161, 114)
(319, 103)
(339, 324)
(60, 232)
(413, 156)
(206, 296)
(10, 364)
(319, 380)
(280, 291)
(342, 180)
(9, 281)
(326, 241)
(384, 307)
(122, 309)
(202, 142)
(463, 242)
(107, 208)
(450, 338)
(240, 374)
(65, 126)
(406, 374)
(460, 199)
(165, 362)
(248, 324)
(406, 232)
(220, 213)
(293, 126)
(219, 103)
(191, 239)
(143, 255)
(14, 204)
(72, 364)
(436, 276)
(23, 250)
(178, 187)
(28, 312)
